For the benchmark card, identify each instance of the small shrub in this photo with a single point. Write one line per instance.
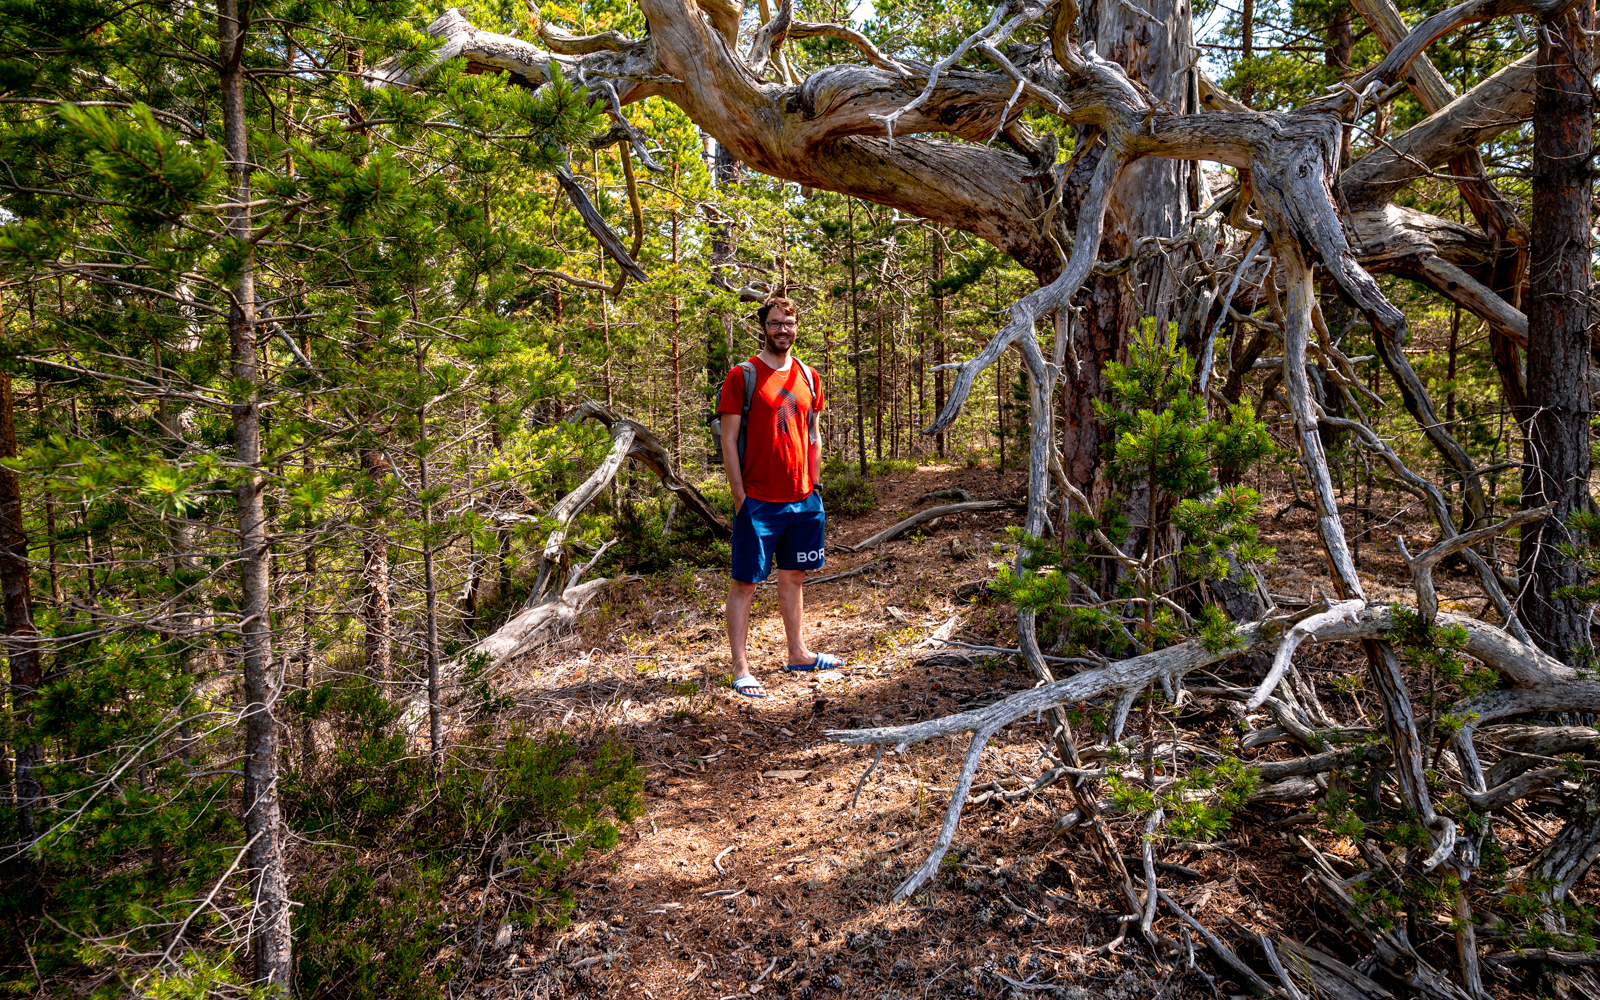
(890, 467)
(645, 550)
(539, 804)
(360, 937)
(851, 496)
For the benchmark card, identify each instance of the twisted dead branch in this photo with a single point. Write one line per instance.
(1519, 662)
(629, 439)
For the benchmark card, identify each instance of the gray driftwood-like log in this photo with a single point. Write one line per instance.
(527, 630)
(894, 531)
(1519, 662)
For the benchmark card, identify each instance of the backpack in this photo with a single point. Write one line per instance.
(747, 370)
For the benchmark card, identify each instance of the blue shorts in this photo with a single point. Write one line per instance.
(790, 533)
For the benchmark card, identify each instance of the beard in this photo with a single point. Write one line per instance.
(767, 342)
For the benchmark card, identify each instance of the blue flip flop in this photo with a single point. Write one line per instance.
(742, 686)
(824, 661)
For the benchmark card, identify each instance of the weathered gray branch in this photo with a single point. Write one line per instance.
(1423, 564)
(924, 516)
(629, 439)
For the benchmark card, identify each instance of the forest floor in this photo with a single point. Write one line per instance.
(800, 905)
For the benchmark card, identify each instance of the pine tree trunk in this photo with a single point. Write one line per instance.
(938, 338)
(22, 638)
(308, 619)
(58, 598)
(1000, 410)
(894, 392)
(877, 383)
(1150, 199)
(855, 341)
(431, 590)
(728, 172)
(1557, 416)
(1341, 46)
(377, 614)
(270, 941)
(677, 361)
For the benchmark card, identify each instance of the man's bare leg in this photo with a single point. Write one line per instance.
(792, 601)
(741, 596)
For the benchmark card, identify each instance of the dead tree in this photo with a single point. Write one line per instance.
(560, 594)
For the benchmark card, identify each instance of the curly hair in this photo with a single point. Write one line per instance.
(778, 302)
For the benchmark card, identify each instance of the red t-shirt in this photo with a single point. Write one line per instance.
(777, 464)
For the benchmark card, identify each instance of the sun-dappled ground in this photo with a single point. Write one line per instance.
(757, 867)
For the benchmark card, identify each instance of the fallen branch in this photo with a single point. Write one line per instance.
(629, 440)
(528, 628)
(922, 517)
(1298, 633)
(1422, 564)
(1519, 787)
(1551, 955)
(1125, 679)
(1007, 651)
(870, 567)
(1218, 949)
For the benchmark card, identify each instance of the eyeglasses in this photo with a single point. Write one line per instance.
(790, 325)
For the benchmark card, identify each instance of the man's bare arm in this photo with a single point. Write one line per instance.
(731, 422)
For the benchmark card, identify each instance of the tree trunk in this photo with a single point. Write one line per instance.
(677, 360)
(270, 941)
(431, 589)
(1557, 415)
(855, 341)
(728, 172)
(938, 335)
(877, 381)
(22, 638)
(1000, 412)
(1150, 199)
(1247, 27)
(377, 615)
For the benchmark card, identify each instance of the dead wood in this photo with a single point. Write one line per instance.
(1222, 951)
(528, 629)
(921, 517)
(871, 567)
(629, 440)
(1552, 955)
(1326, 976)
(1125, 679)
(960, 496)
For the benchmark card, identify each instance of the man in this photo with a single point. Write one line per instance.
(773, 457)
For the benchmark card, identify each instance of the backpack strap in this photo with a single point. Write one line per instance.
(811, 383)
(747, 371)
